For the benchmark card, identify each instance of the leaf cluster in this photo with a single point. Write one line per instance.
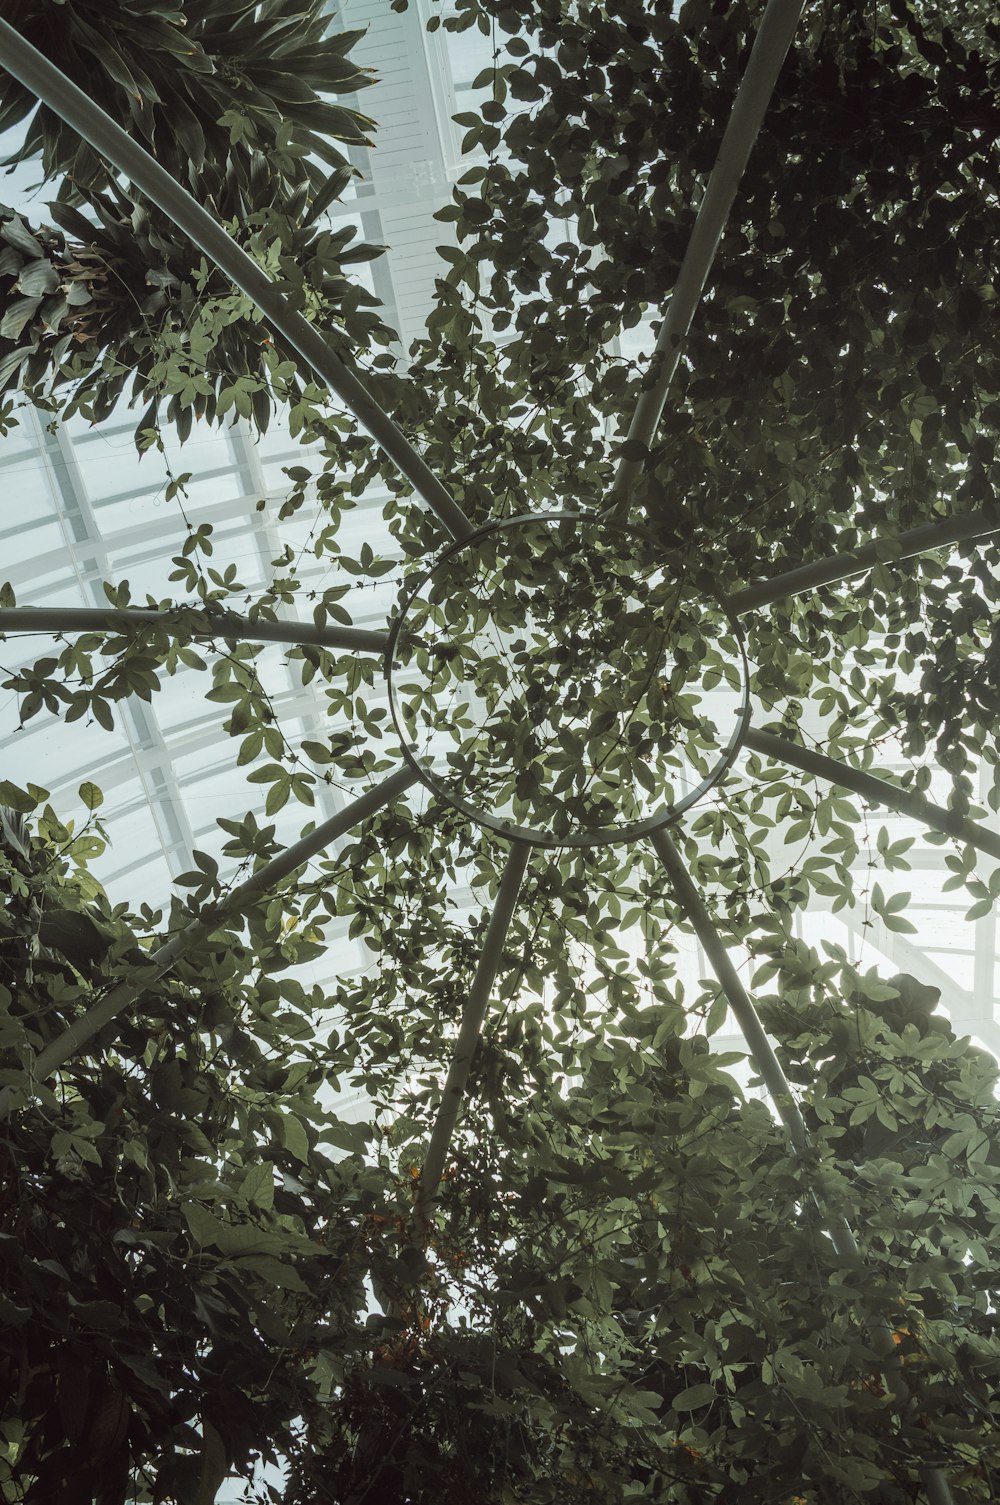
(210, 88)
(234, 101)
(180, 1252)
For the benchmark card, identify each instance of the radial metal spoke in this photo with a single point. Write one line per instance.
(761, 1050)
(772, 42)
(469, 1032)
(838, 567)
(232, 906)
(769, 1069)
(191, 622)
(876, 790)
(54, 89)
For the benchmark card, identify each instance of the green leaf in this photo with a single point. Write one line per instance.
(205, 1227)
(257, 1186)
(37, 279)
(214, 1465)
(102, 713)
(245, 1238)
(11, 1314)
(16, 233)
(275, 1271)
(19, 799)
(17, 316)
(294, 1137)
(694, 1397)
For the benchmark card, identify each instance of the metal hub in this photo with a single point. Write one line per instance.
(558, 681)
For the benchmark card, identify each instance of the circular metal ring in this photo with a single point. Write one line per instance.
(586, 838)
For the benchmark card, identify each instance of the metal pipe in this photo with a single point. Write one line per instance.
(874, 789)
(184, 620)
(85, 117)
(760, 1047)
(769, 1068)
(469, 1032)
(773, 39)
(58, 1051)
(837, 567)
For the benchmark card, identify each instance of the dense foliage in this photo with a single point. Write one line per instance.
(164, 1297)
(626, 1290)
(648, 1301)
(233, 98)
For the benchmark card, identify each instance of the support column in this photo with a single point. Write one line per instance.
(468, 1034)
(769, 1068)
(772, 42)
(840, 567)
(874, 789)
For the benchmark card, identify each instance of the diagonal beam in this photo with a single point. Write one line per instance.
(772, 42)
(769, 1068)
(838, 567)
(761, 1050)
(876, 790)
(85, 117)
(187, 622)
(236, 903)
(469, 1032)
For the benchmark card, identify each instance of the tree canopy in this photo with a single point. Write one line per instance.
(624, 1284)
